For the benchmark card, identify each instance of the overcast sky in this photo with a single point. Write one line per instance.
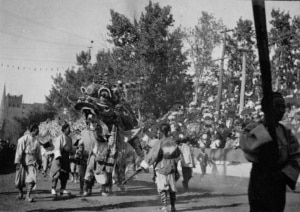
(40, 38)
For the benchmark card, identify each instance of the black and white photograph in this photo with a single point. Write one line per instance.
(149, 105)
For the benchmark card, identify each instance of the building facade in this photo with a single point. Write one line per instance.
(11, 109)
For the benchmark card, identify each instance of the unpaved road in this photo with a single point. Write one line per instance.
(213, 193)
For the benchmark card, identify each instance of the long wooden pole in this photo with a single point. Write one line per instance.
(264, 60)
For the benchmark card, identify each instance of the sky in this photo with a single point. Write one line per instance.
(40, 38)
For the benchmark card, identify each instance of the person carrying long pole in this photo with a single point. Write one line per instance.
(271, 147)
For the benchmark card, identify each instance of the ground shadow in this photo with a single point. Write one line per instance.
(150, 203)
(183, 199)
(135, 204)
(211, 207)
(44, 191)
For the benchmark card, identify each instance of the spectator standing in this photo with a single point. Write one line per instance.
(202, 157)
(187, 163)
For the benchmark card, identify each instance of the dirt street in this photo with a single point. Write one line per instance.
(213, 193)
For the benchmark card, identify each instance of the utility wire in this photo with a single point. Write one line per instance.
(37, 60)
(42, 41)
(43, 25)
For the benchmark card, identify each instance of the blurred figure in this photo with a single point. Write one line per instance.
(80, 159)
(275, 164)
(46, 160)
(202, 157)
(187, 163)
(73, 169)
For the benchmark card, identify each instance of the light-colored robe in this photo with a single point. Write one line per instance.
(28, 154)
(61, 144)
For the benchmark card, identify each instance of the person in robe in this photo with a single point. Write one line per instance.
(27, 159)
(187, 163)
(275, 159)
(60, 167)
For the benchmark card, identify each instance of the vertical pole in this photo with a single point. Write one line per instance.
(242, 95)
(219, 97)
(266, 77)
(264, 60)
(196, 87)
(90, 48)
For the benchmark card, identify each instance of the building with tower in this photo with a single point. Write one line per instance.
(12, 107)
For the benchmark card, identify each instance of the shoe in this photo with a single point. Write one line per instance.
(85, 194)
(105, 194)
(20, 196)
(121, 188)
(164, 209)
(64, 192)
(29, 199)
(53, 192)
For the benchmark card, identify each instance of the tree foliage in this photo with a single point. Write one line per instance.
(241, 40)
(285, 43)
(147, 49)
(144, 49)
(202, 40)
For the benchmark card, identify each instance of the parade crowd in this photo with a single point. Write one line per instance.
(112, 151)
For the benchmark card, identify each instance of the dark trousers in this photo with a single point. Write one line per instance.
(63, 177)
(267, 190)
(187, 175)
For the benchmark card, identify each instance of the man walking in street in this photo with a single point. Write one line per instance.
(27, 159)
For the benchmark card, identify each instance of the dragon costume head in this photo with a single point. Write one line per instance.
(107, 103)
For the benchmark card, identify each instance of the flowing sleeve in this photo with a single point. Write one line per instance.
(58, 144)
(20, 149)
(292, 167)
(253, 136)
(152, 155)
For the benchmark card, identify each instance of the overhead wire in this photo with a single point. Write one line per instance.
(36, 60)
(43, 25)
(39, 40)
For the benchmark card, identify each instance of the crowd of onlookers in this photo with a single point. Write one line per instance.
(206, 128)
(7, 153)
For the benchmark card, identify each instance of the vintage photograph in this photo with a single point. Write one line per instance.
(149, 105)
